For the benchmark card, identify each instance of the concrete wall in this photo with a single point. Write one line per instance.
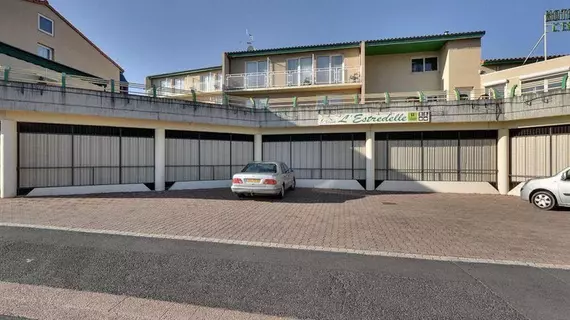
(393, 73)
(463, 62)
(175, 113)
(70, 48)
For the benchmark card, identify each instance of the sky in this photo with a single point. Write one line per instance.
(150, 36)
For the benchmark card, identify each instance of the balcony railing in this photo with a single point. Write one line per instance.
(207, 86)
(46, 77)
(296, 78)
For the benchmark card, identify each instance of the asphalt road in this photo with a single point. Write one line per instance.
(302, 284)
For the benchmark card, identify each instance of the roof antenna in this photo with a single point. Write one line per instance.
(250, 42)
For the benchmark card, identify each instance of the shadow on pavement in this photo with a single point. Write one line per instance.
(297, 196)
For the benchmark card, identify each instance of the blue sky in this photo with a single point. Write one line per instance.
(149, 37)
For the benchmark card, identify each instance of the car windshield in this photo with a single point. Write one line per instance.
(260, 168)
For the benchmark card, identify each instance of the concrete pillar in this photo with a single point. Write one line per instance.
(8, 159)
(363, 72)
(159, 159)
(503, 180)
(370, 175)
(257, 148)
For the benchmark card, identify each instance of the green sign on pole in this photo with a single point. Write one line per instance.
(557, 20)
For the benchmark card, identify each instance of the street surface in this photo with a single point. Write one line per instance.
(272, 281)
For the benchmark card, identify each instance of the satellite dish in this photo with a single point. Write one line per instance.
(250, 48)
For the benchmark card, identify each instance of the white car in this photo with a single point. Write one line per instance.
(547, 193)
(263, 178)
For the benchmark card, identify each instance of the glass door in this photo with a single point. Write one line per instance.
(323, 70)
(256, 74)
(204, 83)
(251, 74)
(306, 74)
(337, 72)
(293, 72)
(262, 74)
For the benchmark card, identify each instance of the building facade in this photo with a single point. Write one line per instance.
(421, 114)
(348, 72)
(36, 38)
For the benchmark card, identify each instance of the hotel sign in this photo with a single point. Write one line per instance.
(558, 20)
(371, 118)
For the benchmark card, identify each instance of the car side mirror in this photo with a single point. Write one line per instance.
(565, 175)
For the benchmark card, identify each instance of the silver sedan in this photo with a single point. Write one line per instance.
(263, 178)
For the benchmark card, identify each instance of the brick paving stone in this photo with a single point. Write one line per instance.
(447, 225)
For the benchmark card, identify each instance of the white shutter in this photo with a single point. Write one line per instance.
(532, 86)
(555, 81)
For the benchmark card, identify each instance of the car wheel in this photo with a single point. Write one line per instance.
(544, 200)
(282, 192)
(294, 184)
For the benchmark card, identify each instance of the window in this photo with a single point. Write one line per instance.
(417, 65)
(424, 64)
(496, 91)
(430, 64)
(555, 81)
(165, 86)
(209, 82)
(45, 52)
(300, 71)
(179, 84)
(165, 83)
(256, 74)
(45, 24)
(532, 86)
(260, 168)
(330, 69)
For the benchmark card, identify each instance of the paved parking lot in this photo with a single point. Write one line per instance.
(465, 226)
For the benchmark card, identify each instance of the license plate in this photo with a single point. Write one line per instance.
(253, 180)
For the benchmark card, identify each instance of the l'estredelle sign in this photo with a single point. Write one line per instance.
(369, 118)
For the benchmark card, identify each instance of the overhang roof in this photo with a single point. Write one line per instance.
(296, 49)
(46, 3)
(417, 44)
(517, 60)
(379, 46)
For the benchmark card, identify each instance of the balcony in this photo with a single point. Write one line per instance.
(213, 86)
(208, 86)
(294, 79)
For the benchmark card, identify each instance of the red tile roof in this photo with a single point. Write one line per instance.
(46, 3)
